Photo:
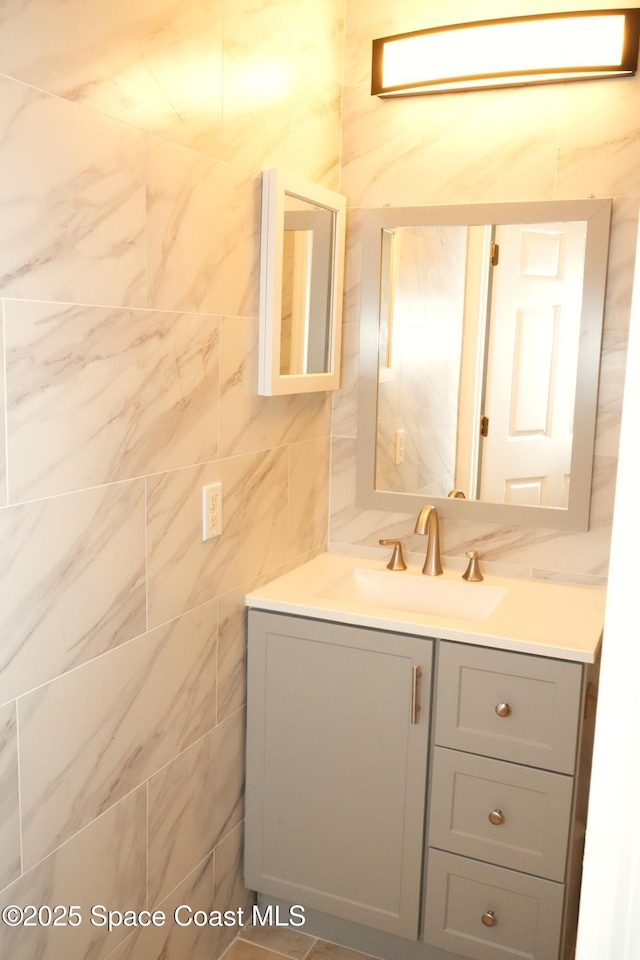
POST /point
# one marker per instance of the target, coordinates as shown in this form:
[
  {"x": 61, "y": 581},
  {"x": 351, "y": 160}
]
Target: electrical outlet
[
  {"x": 399, "y": 458},
  {"x": 211, "y": 511}
]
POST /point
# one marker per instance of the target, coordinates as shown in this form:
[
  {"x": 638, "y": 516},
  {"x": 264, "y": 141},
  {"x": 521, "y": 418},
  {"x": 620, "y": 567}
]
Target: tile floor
[{"x": 275, "y": 943}]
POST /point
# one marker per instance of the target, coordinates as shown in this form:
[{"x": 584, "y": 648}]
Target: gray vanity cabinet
[
  {"x": 342, "y": 775},
  {"x": 337, "y": 747}
]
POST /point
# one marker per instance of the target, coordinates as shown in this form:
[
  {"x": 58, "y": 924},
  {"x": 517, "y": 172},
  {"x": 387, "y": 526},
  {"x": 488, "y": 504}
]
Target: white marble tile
[
  {"x": 622, "y": 251},
  {"x": 183, "y": 570},
  {"x": 72, "y": 584},
  {"x": 96, "y": 395},
  {"x": 350, "y": 524},
  {"x": 194, "y": 802},
  {"x": 72, "y": 205},
  {"x": 10, "y": 856},
  {"x": 613, "y": 361},
  {"x": 232, "y": 652},
  {"x": 172, "y": 940},
  {"x": 308, "y": 496},
  {"x": 249, "y": 422},
  {"x": 344, "y": 421},
  {"x": 3, "y": 450},
  {"x": 229, "y": 892},
  {"x": 203, "y": 226},
  {"x": 283, "y": 71},
  {"x": 599, "y": 146},
  {"x": 104, "y": 864},
  {"x": 485, "y": 146},
  {"x": 90, "y": 737},
  {"x": 155, "y": 64}
]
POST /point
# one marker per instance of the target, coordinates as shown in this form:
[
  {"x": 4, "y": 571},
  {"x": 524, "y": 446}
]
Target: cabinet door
[{"x": 336, "y": 768}]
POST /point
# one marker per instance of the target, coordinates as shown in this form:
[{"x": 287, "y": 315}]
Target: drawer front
[
  {"x": 509, "y": 705},
  {"x": 500, "y": 812},
  {"x": 525, "y": 912}
]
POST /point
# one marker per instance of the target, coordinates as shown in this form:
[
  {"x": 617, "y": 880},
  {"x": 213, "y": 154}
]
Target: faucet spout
[{"x": 427, "y": 525}]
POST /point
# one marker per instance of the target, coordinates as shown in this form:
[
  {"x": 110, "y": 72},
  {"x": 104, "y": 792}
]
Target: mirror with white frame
[
  {"x": 301, "y": 278},
  {"x": 481, "y": 330}
]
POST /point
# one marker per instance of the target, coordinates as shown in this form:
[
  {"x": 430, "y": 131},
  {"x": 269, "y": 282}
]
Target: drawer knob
[
  {"x": 496, "y": 817},
  {"x": 489, "y": 918},
  {"x": 503, "y": 709}
]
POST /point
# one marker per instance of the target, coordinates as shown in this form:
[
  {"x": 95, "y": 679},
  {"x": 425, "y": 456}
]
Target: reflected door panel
[{"x": 532, "y": 359}]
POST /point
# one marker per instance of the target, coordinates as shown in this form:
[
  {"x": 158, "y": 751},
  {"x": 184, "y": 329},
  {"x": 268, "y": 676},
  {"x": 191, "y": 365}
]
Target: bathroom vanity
[{"x": 417, "y": 780}]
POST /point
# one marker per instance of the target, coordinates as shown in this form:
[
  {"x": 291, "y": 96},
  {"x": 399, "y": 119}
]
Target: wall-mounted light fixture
[{"x": 550, "y": 48}]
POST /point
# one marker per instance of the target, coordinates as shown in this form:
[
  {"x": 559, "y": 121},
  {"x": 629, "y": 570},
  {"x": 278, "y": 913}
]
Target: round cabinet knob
[
  {"x": 489, "y": 918},
  {"x": 496, "y": 817},
  {"x": 503, "y": 709}
]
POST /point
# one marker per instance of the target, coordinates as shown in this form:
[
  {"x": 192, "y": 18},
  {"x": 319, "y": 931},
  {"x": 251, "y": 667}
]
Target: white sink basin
[{"x": 415, "y": 593}]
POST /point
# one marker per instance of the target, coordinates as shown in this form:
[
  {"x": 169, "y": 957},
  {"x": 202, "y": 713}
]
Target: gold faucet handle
[
  {"x": 397, "y": 560},
  {"x": 472, "y": 573}
]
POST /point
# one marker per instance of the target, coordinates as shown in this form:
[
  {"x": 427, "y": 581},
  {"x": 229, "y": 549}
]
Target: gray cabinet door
[
  {"x": 336, "y": 769},
  {"x": 539, "y": 700}
]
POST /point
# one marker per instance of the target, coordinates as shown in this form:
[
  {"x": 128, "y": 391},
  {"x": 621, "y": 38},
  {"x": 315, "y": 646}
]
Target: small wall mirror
[
  {"x": 301, "y": 279},
  {"x": 481, "y": 330}
]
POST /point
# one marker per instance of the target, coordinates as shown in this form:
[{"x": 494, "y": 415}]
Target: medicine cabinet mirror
[
  {"x": 481, "y": 330},
  {"x": 301, "y": 280}
]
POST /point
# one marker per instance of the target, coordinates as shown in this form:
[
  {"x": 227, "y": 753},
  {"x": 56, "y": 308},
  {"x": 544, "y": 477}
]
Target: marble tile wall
[
  {"x": 556, "y": 142},
  {"x": 132, "y": 136}
]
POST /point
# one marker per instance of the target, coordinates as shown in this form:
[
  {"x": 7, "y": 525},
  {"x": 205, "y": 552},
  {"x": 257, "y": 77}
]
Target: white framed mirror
[
  {"x": 301, "y": 283},
  {"x": 481, "y": 330}
]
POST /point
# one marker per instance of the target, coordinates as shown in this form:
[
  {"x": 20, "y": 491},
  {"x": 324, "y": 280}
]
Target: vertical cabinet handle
[{"x": 415, "y": 693}]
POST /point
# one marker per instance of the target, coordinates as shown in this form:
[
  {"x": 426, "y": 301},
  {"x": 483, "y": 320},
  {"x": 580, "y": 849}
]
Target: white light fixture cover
[{"x": 505, "y": 53}]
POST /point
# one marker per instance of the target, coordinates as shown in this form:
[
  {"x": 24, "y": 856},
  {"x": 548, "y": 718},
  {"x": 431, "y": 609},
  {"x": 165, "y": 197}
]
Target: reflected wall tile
[
  {"x": 71, "y": 582},
  {"x": 308, "y": 495},
  {"x": 71, "y": 202},
  {"x": 599, "y": 146},
  {"x": 183, "y": 570},
  {"x": 194, "y": 802},
  {"x": 229, "y": 892},
  {"x": 88, "y": 738},
  {"x": 232, "y": 652},
  {"x": 249, "y": 422},
  {"x": 437, "y": 149},
  {"x": 203, "y": 233},
  {"x": 155, "y": 64},
  {"x": 104, "y": 864},
  {"x": 283, "y": 71},
  {"x": 96, "y": 395},
  {"x": 173, "y": 940},
  {"x": 10, "y": 858}
]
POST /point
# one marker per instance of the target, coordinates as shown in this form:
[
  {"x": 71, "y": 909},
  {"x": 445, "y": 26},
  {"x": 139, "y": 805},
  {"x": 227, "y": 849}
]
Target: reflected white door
[{"x": 534, "y": 329}]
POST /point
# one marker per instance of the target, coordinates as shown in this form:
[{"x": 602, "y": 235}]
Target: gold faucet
[{"x": 427, "y": 525}]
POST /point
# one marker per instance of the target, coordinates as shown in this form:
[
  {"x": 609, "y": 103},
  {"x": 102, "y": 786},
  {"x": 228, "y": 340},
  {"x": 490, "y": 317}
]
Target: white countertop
[{"x": 548, "y": 619}]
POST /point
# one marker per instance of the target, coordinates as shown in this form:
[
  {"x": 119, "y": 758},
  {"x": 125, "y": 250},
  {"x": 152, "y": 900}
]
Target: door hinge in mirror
[
  {"x": 495, "y": 254},
  {"x": 484, "y": 426}
]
